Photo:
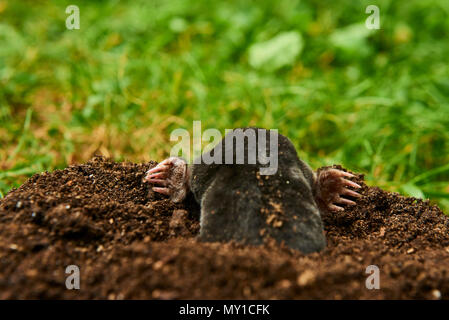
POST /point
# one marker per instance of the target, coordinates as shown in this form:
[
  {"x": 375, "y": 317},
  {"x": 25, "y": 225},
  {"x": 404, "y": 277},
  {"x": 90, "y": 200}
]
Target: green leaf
[
  {"x": 178, "y": 25},
  {"x": 17, "y": 172},
  {"x": 444, "y": 204},
  {"x": 351, "y": 38},
  {"x": 430, "y": 173},
  {"x": 277, "y": 52},
  {"x": 412, "y": 191}
]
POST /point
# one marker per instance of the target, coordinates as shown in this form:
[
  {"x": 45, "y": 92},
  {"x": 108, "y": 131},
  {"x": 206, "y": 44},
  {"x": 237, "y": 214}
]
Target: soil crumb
[{"x": 130, "y": 243}]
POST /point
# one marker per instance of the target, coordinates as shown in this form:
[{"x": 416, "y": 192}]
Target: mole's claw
[
  {"x": 155, "y": 176},
  {"x": 348, "y": 192},
  {"x": 339, "y": 173},
  {"x": 158, "y": 168},
  {"x": 165, "y": 191},
  {"x": 346, "y": 174},
  {"x": 350, "y": 183},
  {"x": 168, "y": 161},
  {"x": 333, "y": 207},
  {"x": 345, "y": 201}
]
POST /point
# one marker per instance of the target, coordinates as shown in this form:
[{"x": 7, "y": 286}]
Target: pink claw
[
  {"x": 155, "y": 176},
  {"x": 350, "y": 183},
  {"x": 347, "y": 174},
  {"x": 333, "y": 207},
  {"x": 345, "y": 201},
  {"x": 165, "y": 191},
  {"x": 158, "y": 168},
  {"x": 348, "y": 192}
]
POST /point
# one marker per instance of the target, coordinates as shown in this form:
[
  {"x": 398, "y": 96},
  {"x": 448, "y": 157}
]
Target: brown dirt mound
[{"x": 130, "y": 243}]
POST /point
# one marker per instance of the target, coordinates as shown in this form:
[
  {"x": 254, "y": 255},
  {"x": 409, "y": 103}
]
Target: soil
[{"x": 130, "y": 243}]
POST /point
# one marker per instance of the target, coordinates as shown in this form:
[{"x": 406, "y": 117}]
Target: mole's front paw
[
  {"x": 332, "y": 187},
  {"x": 171, "y": 176}
]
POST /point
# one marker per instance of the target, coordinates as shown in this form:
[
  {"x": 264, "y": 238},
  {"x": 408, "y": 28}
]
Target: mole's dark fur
[{"x": 237, "y": 203}]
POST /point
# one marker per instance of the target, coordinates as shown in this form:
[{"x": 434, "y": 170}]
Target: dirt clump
[{"x": 130, "y": 243}]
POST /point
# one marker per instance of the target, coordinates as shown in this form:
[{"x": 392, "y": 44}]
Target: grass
[{"x": 376, "y": 102}]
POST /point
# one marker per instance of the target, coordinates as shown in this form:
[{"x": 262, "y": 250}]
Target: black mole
[{"x": 245, "y": 197}]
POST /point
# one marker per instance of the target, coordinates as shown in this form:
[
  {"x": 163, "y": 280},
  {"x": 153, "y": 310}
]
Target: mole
[{"x": 238, "y": 202}]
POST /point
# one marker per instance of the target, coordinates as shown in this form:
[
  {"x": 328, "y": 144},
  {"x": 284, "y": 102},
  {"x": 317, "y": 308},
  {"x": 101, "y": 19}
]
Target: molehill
[{"x": 130, "y": 243}]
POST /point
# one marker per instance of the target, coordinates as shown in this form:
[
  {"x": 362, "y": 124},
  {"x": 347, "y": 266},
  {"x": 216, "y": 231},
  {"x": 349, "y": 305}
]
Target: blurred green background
[{"x": 375, "y": 101}]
